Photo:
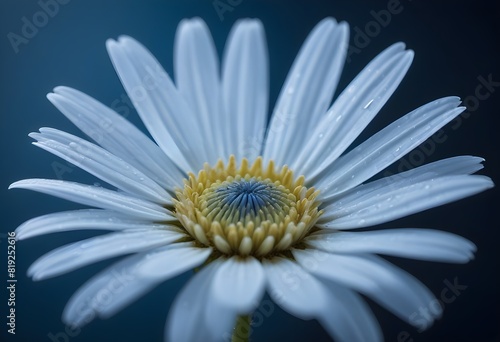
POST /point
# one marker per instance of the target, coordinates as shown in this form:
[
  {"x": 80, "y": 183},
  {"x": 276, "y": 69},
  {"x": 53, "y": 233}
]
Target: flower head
[{"x": 253, "y": 206}]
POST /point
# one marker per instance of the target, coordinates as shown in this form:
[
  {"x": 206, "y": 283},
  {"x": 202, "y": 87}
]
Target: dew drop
[{"x": 368, "y": 104}]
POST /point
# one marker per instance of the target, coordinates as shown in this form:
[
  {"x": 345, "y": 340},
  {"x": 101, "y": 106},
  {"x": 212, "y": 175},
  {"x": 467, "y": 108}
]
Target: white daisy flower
[{"x": 252, "y": 206}]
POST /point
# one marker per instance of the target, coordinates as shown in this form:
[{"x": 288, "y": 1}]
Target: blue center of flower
[
  {"x": 246, "y": 209},
  {"x": 246, "y": 198}
]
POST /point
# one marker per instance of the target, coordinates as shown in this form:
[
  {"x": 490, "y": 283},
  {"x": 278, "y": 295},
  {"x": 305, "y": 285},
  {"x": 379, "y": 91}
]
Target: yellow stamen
[{"x": 247, "y": 210}]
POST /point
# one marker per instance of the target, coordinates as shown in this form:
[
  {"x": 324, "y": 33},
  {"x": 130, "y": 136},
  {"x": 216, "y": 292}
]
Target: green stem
[{"x": 241, "y": 332}]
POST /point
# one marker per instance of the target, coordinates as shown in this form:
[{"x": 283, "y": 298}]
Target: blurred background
[{"x": 43, "y": 46}]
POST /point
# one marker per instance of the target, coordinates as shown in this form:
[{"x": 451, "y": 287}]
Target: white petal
[
  {"x": 348, "y": 317},
  {"x": 307, "y": 91},
  {"x": 82, "y": 219},
  {"x": 362, "y": 209},
  {"x": 414, "y": 243},
  {"x": 196, "y": 68},
  {"x": 239, "y": 284},
  {"x": 101, "y": 164},
  {"x": 461, "y": 165},
  {"x": 97, "y": 197},
  {"x": 119, "y": 285},
  {"x": 117, "y": 135},
  {"x": 391, "y": 287},
  {"x": 163, "y": 110},
  {"x": 387, "y": 146},
  {"x": 75, "y": 255},
  {"x": 293, "y": 289},
  {"x": 353, "y": 110},
  {"x": 187, "y": 319},
  {"x": 245, "y": 88},
  {"x": 339, "y": 310}
]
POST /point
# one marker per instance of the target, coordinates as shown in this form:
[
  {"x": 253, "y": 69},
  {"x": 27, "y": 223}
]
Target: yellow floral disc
[{"x": 247, "y": 210}]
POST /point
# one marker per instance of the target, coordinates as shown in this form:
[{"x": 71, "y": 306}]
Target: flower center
[
  {"x": 246, "y": 200},
  {"x": 247, "y": 210}
]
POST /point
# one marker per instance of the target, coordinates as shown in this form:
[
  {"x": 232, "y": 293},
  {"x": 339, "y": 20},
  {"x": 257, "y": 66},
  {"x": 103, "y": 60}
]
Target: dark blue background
[{"x": 455, "y": 43}]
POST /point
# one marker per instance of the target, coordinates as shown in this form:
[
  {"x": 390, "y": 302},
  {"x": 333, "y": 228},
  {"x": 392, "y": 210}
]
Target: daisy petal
[
  {"x": 101, "y": 164},
  {"x": 75, "y": 255},
  {"x": 461, "y": 165},
  {"x": 117, "y": 135},
  {"x": 196, "y": 68},
  {"x": 245, "y": 87},
  {"x": 339, "y": 310},
  {"x": 391, "y": 287},
  {"x": 239, "y": 284},
  {"x": 308, "y": 90},
  {"x": 353, "y": 110},
  {"x": 97, "y": 197},
  {"x": 348, "y": 317},
  {"x": 82, "y": 219},
  {"x": 387, "y": 203},
  {"x": 414, "y": 243},
  {"x": 187, "y": 317},
  {"x": 119, "y": 285},
  {"x": 387, "y": 146},
  {"x": 162, "y": 109},
  {"x": 293, "y": 289}
]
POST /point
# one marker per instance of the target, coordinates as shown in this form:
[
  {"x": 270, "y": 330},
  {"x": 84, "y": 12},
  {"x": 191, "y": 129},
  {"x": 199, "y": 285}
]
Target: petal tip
[
  {"x": 111, "y": 45},
  {"x": 61, "y": 89},
  {"x": 51, "y": 96},
  {"x": 14, "y": 185}
]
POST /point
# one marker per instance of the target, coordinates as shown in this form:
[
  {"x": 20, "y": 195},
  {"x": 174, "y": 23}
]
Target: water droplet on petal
[{"x": 368, "y": 104}]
